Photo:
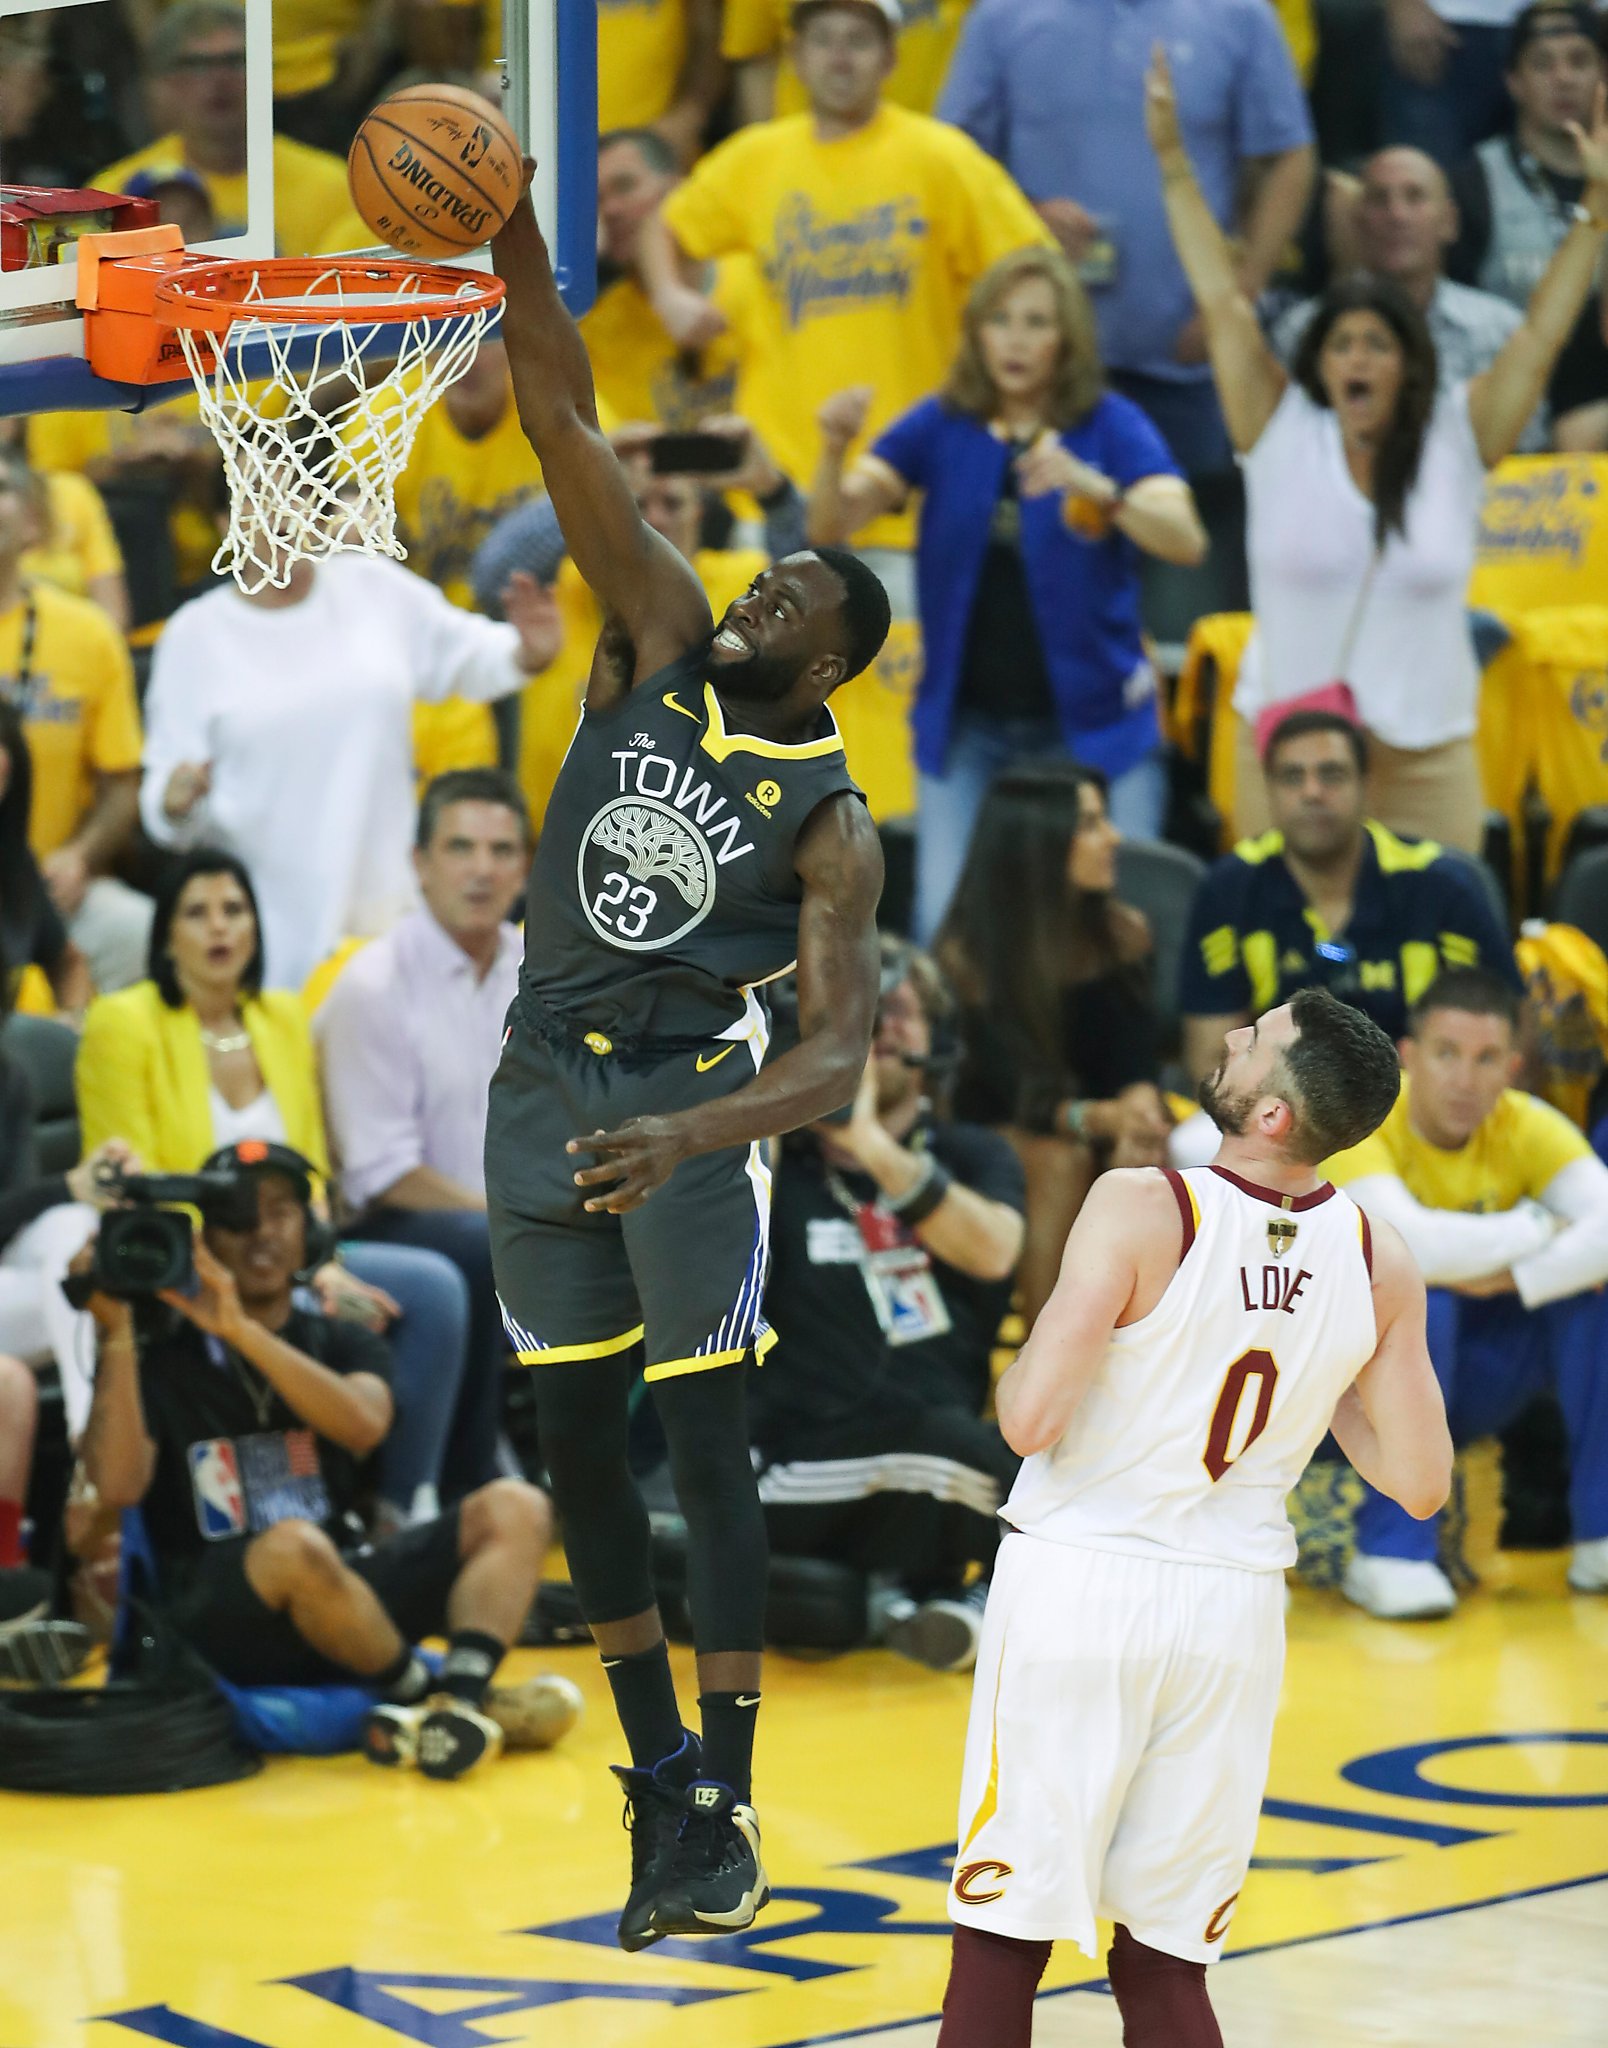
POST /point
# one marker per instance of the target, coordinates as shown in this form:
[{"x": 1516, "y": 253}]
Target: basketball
[{"x": 434, "y": 170}]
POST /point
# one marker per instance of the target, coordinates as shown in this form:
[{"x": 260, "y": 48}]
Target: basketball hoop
[{"x": 312, "y": 374}]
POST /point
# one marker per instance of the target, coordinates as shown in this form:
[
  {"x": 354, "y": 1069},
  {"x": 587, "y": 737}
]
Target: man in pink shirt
[{"x": 409, "y": 1037}]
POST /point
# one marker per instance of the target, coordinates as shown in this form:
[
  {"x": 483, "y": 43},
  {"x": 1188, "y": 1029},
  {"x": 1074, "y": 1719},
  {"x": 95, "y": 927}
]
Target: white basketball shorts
[{"x": 1121, "y": 1720}]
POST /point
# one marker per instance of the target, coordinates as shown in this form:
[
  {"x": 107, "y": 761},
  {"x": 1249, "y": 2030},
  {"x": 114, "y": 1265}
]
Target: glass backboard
[{"x": 232, "y": 117}]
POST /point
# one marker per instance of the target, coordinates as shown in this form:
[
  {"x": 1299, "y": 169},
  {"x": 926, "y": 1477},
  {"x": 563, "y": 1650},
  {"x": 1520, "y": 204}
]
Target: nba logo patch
[
  {"x": 220, "y": 1499},
  {"x": 1281, "y": 1234}
]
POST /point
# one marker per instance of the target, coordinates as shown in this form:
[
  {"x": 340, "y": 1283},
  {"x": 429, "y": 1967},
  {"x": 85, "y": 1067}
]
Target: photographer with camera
[
  {"x": 239, "y": 1423},
  {"x": 895, "y": 1233}
]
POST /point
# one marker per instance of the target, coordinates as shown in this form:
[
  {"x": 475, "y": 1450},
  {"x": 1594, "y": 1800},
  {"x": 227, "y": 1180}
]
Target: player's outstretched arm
[
  {"x": 1042, "y": 1387},
  {"x": 638, "y": 578},
  {"x": 1391, "y": 1420},
  {"x": 839, "y": 861}
]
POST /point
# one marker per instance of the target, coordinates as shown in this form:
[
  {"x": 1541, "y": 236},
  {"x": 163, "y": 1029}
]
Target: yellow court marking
[{"x": 1418, "y": 1771}]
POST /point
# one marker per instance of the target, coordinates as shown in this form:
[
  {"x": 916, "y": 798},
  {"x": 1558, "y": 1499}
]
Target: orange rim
[{"x": 311, "y": 291}]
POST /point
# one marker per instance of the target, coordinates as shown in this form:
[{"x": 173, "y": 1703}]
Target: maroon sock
[
  {"x": 1162, "y": 1998},
  {"x": 989, "y": 1999},
  {"x": 11, "y": 1550}
]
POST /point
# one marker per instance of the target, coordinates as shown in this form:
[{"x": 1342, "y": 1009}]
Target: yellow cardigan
[{"x": 142, "y": 1075}]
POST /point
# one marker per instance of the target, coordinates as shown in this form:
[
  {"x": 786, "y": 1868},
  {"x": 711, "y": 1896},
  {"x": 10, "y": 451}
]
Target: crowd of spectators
[{"x": 1054, "y": 312}]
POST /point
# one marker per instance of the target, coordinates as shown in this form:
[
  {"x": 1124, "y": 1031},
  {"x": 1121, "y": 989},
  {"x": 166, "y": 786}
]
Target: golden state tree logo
[{"x": 659, "y": 883}]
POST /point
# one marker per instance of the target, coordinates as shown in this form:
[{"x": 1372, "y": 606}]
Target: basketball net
[{"x": 313, "y": 447}]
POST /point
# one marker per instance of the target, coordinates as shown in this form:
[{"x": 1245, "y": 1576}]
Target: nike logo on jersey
[
  {"x": 673, "y": 703},
  {"x": 704, "y": 1062}
]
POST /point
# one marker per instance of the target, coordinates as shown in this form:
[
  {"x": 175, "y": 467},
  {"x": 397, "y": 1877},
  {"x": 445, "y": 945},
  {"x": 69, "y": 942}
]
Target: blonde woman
[{"x": 1040, "y": 493}]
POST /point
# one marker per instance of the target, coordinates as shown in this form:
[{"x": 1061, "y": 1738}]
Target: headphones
[
  {"x": 902, "y": 961},
  {"x": 262, "y": 1155}
]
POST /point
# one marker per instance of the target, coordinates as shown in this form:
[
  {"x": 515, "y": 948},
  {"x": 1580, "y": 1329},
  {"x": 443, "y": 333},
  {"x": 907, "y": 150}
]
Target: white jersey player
[{"x": 1206, "y": 1331}]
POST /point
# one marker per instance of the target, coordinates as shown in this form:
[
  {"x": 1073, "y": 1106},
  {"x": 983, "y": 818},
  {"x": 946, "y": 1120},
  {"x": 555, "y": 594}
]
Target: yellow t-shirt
[
  {"x": 77, "y": 704},
  {"x": 79, "y": 543},
  {"x": 1299, "y": 22},
  {"x": 313, "y": 213},
  {"x": 641, "y": 47},
  {"x": 454, "y": 491},
  {"x": 550, "y": 704},
  {"x": 761, "y": 28},
  {"x": 452, "y": 734},
  {"x": 872, "y": 711},
  {"x": 1516, "y": 1153},
  {"x": 867, "y": 247},
  {"x": 77, "y": 441},
  {"x": 639, "y": 372},
  {"x": 449, "y": 497},
  {"x": 1544, "y": 720},
  {"x": 1543, "y": 534},
  {"x": 307, "y": 39}
]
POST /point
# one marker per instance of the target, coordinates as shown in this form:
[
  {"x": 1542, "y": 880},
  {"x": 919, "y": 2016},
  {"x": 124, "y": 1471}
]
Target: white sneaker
[
  {"x": 1588, "y": 1568},
  {"x": 1398, "y": 1588},
  {"x": 943, "y": 1634}
]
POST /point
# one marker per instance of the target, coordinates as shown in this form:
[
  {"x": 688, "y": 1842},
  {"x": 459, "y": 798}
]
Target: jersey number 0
[{"x": 1257, "y": 1365}]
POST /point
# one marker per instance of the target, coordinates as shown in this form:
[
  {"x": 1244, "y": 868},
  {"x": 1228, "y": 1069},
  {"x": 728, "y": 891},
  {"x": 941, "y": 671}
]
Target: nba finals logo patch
[{"x": 1280, "y": 1235}]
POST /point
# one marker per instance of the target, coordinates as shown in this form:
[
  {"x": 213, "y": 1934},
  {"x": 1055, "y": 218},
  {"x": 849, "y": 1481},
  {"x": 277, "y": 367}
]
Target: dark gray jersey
[{"x": 664, "y": 883}]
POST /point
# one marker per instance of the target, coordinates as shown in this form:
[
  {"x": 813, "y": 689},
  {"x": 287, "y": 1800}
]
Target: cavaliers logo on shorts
[
  {"x": 1217, "y": 1925},
  {"x": 980, "y": 1884}
]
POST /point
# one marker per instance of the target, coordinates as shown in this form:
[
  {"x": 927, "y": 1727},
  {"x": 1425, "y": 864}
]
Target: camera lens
[
  {"x": 139, "y": 1252},
  {"x": 142, "y": 1255}
]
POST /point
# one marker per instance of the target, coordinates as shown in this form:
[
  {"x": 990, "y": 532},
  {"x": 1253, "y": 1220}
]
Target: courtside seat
[
  {"x": 1161, "y": 880},
  {"x": 1480, "y": 874},
  {"x": 46, "y": 1049},
  {"x": 1582, "y": 895}
]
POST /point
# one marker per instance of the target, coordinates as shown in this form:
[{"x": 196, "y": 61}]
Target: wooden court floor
[{"x": 1432, "y": 1868}]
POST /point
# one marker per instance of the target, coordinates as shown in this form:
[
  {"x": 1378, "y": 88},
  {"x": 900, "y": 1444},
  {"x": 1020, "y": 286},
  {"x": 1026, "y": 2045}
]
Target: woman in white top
[{"x": 1364, "y": 491}]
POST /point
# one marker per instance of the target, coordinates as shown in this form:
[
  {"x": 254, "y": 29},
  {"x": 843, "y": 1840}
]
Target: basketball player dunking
[
  {"x": 702, "y": 834},
  {"x": 1207, "y": 1329}
]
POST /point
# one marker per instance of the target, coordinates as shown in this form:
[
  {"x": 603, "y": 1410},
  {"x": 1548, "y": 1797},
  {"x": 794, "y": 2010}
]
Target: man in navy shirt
[
  {"x": 1328, "y": 899},
  {"x": 1055, "y": 90}
]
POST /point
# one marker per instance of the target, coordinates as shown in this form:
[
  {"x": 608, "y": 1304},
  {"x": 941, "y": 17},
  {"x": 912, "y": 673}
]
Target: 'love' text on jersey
[{"x": 1279, "y": 1288}]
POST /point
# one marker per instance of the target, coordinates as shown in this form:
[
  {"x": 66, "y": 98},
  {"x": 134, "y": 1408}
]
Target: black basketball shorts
[
  {"x": 683, "y": 1274},
  {"x": 218, "y": 1613}
]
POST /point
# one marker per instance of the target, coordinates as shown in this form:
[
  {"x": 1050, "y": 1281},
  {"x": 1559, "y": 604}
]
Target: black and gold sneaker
[
  {"x": 454, "y": 1736},
  {"x": 442, "y": 1736},
  {"x": 714, "y": 1882},
  {"x": 391, "y": 1733},
  {"x": 654, "y": 1806}
]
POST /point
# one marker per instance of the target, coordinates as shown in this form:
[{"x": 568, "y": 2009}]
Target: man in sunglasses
[{"x": 1328, "y": 899}]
